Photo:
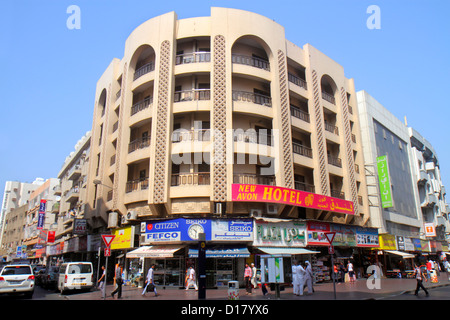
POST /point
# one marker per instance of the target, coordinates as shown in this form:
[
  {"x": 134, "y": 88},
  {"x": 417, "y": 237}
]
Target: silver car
[{"x": 17, "y": 279}]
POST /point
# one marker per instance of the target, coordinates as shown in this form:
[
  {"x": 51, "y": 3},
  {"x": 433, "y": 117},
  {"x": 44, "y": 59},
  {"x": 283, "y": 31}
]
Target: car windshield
[
  {"x": 7, "y": 271},
  {"x": 80, "y": 268}
]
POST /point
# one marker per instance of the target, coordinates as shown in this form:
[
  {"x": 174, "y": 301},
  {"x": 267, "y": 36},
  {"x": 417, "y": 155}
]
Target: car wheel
[{"x": 29, "y": 295}]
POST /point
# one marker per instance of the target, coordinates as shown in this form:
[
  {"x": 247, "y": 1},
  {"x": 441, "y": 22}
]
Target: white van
[{"x": 75, "y": 276}]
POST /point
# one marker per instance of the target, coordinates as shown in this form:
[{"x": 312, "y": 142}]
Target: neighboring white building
[
  {"x": 384, "y": 134},
  {"x": 16, "y": 194},
  {"x": 431, "y": 189}
]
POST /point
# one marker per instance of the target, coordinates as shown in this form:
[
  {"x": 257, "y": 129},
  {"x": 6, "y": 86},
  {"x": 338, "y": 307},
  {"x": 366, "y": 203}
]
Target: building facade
[
  {"x": 16, "y": 195},
  {"x": 431, "y": 190},
  {"x": 197, "y": 105},
  {"x": 71, "y": 225},
  {"x": 202, "y": 121},
  {"x": 39, "y": 219},
  {"x": 385, "y": 135}
]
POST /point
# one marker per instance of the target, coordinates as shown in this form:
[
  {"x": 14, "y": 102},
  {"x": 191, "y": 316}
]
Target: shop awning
[
  {"x": 286, "y": 251},
  {"x": 154, "y": 252},
  {"x": 404, "y": 255},
  {"x": 238, "y": 252}
]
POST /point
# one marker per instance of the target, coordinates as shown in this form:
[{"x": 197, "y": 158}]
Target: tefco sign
[{"x": 181, "y": 229}]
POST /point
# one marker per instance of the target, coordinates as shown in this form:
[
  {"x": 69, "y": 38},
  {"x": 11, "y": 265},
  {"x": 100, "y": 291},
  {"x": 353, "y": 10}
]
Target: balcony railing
[
  {"x": 301, "y": 150},
  {"x": 252, "y": 97},
  {"x": 195, "y": 57},
  {"x": 254, "y": 137},
  {"x": 250, "y": 61},
  {"x": 335, "y": 161},
  {"x": 249, "y": 178},
  {"x": 304, "y": 187},
  {"x": 141, "y": 105},
  {"x": 140, "y": 143},
  {"x": 300, "y": 114},
  {"x": 149, "y": 67},
  {"x": 198, "y": 178},
  {"x": 328, "y": 97},
  {"x": 191, "y": 135},
  {"x": 192, "y": 95},
  {"x": 136, "y": 185},
  {"x": 331, "y": 128},
  {"x": 297, "y": 81}
]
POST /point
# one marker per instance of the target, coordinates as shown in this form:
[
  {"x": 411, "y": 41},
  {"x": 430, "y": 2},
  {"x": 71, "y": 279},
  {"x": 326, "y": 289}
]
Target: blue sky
[{"x": 49, "y": 73}]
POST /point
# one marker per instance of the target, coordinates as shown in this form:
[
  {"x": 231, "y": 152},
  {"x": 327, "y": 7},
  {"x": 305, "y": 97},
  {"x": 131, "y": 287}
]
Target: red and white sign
[
  {"x": 107, "y": 252},
  {"x": 331, "y": 250},
  {"x": 108, "y": 239},
  {"x": 330, "y": 236}
]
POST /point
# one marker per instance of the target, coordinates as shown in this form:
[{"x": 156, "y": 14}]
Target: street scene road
[{"x": 362, "y": 289}]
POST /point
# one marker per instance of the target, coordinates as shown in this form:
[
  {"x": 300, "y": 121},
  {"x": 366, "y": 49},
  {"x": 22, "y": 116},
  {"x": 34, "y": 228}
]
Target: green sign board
[{"x": 385, "y": 182}]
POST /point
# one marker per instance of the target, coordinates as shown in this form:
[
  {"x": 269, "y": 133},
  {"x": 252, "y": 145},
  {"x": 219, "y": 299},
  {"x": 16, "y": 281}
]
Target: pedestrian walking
[
  {"x": 419, "y": 277},
  {"x": 247, "y": 279},
  {"x": 191, "y": 280},
  {"x": 351, "y": 272},
  {"x": 101, "y": 281},
  {"x": 119, "y": 282},
  {"x": 301, "y": 279},
  {"x": 295, "y": 286},
  {"x": 429, "y": 266},
  {"x": 150, "y": 282},
  {"x": 254, "y": 283},
  {"x": 309, "y": 277}
]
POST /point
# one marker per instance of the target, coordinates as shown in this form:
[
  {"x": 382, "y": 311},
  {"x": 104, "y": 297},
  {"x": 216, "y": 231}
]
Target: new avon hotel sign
[{"x": 273, "y": 194}]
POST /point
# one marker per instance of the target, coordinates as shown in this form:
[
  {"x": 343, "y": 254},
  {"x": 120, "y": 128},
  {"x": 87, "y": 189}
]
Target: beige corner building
[{"x": 197, "y": 105}]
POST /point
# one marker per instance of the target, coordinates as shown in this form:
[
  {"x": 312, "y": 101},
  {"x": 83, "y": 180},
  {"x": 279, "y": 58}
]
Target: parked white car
[{"x": 17, "y": 278}]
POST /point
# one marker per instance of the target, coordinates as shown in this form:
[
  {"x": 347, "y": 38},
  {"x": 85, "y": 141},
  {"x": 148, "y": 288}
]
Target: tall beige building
[{"x": 197, "y": 105}]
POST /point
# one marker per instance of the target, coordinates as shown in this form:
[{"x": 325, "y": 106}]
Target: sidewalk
[{"x": 358, "y": 290}]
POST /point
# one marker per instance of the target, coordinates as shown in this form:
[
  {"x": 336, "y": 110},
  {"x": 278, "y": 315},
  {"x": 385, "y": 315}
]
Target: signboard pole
[
  {"x": 201, "y": 267},
  {"x": 334, "y": 276},
  {"x": 330, "y": 238}
]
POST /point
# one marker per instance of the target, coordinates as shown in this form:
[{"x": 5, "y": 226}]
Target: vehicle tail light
[
  {"x": 31, "y": 278},
  {"x": 2, "y": 279},
  {"x": 65, "y": 279}
]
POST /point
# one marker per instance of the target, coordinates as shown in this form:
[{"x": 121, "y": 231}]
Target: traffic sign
[
  {"x": 330, "y": 236},
  {"x": 107, "y": 239},
  {"x": 331, "y": 250},
  {"x": 108, "y": 252}
]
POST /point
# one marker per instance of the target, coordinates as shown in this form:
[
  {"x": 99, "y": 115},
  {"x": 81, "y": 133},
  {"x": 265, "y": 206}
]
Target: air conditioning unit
[
  {"x": 113, "y": 219},
  {"x": 131, "y": 215},
  {"x": 255, "y": 213},
  {"x": 271, "y": 209},
  {"x": 124, "y": 219}
]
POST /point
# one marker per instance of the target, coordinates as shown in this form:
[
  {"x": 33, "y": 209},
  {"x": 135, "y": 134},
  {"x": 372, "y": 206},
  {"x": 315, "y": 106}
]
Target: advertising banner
[
  {"x": 387, "y": 242},
  {"x": 280, "y": 234},
  {"x": 273, "y": 194},
  {"x": 80, "y": 226},
  {"x": 41, "y": 214},
  {"x": 417, "y": 244},
  {"x": 367, "y": 237},
  {"x": 409, "y": 245},
  {"x": 385, "y": 182},
  {"x": 345, "y": 235},
  {"x": 430, "y": 230},
  {"x": 316, "y": 233},
  {"x": 124, "y": 238}
]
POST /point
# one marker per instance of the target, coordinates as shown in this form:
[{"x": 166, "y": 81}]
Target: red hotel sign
[{"x": 273, "y": 194}]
